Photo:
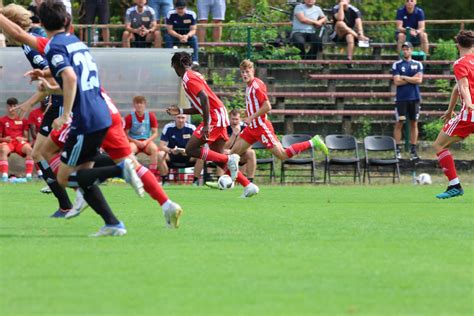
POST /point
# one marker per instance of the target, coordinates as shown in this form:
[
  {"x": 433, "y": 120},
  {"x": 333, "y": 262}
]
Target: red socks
[
  {"x": 3, "y": 166},
  {"x": 151, "y": 185},
  {"x": 241, "y": 179},
  {"x": 209, "y": 155},
  {"x": 297, "y": 148},
  {"x": 446, "y": 162},
  {"x": 29, "y": 166}
]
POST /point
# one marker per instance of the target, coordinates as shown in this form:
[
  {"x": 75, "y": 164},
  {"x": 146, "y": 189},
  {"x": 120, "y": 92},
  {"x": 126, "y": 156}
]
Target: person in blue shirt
[
  {"x": 411, "y": 26},
  {"x": 407, "y": 76},
  {"x": 174, "y": 138},
  {"x": 181, "y": 29}
]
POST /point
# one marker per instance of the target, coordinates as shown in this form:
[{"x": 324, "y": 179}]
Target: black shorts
[
  {"x": 47, "y": 122},
  {"x": 404, "y": 109},
  {"x": 180, "y": 161},
  {"x": 81, "y": 148},
  {"x": 415, "y": 40},
  {"x": 99, "y": 8}
]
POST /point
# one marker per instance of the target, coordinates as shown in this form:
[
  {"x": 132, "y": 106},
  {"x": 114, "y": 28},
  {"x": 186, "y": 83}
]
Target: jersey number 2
[{"x": 88, "y": 81}]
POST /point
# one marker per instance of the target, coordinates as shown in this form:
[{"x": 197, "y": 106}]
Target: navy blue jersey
[
  {"x": 409, "y": 91},
  {"x": 230, "y": 131},
  {"x": 181, "y": 24},
  {"x": 90, "y": 111},
  {"x": 176, "y": 137},
  {"x": 410, "y": 20}
]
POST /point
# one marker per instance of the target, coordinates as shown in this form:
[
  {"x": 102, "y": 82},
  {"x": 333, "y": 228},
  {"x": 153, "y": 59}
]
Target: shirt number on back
[{"x": 88, "y": 81}]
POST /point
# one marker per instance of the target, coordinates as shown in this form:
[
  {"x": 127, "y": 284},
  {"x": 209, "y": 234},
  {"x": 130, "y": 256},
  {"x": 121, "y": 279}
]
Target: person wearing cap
[
  {"x": 407, "y": 77},
  {"x": 181, "y": 27},
  {"x": 411, "y": 26}
]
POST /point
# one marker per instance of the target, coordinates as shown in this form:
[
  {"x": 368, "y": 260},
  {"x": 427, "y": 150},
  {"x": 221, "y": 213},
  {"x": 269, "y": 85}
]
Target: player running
[
  {"x": 259, "y": 128},
  {"x": 462, "y": 125},
  {"x": 213, "y": 129}
]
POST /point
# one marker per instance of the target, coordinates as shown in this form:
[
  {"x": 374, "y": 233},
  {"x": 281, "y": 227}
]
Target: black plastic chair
[
  {"x": 348, "y": 144},
  {"x": 265, "y": 161},
  {"x": 289, "y": 140},
  {"x": 381, "y": 144}
]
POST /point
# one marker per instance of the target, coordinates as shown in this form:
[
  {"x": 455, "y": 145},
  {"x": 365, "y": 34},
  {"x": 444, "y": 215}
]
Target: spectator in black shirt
[{"x": 348, "y": 26}]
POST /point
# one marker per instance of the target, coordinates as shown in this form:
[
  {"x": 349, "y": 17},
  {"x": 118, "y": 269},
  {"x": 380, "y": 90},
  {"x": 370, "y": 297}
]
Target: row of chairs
[{"x": 380, "y": 159}]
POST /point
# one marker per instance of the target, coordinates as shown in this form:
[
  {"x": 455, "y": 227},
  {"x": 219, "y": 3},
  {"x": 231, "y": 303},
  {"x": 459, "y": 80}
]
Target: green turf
[{"x": 328, "y": 250}]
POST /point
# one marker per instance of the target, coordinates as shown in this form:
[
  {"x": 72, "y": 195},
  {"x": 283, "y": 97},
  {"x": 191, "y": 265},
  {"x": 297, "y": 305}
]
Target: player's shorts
[
  {"x": 263, "y": 133},
  {"x": 47, "y": 122},
  {"x": 59, "y": 137},
  {"x": 81, "y": 148},
  {"x": 415, "y": 40},
  {"x": 99, "y": 8},
  {"x": 116, "y": 142},
  {"x": 215, "y": 7},
  {"x": 15, "y": 147},
  {"x": 457, "y": 127},
  {"x": 410, "y": 109},
  {"x": 215, "y": 133}
]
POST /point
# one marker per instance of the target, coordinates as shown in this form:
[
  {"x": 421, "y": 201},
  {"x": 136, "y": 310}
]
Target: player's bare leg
[
  {"x": 4, "y": 151},
  {"x": 29, "y": 164}
]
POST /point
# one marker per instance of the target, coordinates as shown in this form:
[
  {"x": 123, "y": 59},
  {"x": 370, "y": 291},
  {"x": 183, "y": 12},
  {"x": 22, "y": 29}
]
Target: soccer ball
[
  {"x": 424, "y": 178},
  {"x": 225, "y": 182}
]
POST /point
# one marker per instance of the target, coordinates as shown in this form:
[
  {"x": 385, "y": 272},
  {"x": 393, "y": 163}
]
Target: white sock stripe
[
  {"x": 3, "y": 162},
  {"x": 204, "y": 154},
  {"x": 444, "y": 155},
  {"x": 141, "y": 171}
]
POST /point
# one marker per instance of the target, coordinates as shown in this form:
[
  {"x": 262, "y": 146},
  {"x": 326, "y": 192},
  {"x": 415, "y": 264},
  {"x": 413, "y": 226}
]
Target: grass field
[{"x": 294, "y": 250}]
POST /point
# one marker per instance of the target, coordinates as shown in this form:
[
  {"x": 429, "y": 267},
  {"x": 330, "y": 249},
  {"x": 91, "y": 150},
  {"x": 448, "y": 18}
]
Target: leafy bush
[
  {"x": 443, "y": 85},
  {"x": 365, "y": 127},
  {"x": 431, "y": 129},
  {"x": 446, "y": 50}
]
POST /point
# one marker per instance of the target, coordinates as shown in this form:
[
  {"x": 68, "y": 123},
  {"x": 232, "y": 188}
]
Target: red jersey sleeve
[
  {"x": 153, "y": 120},
  {"x": 128, "y": 121},
  {"x": 41, "y": 42},
  {"x": 461, "y": 70},
  {"x": 261, "y": 93}
]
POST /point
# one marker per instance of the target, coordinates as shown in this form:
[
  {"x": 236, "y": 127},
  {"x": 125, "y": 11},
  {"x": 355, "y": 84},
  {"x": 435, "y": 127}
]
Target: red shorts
[
  {"x": 116, "y": 142},
  {"x": 263, "y": 133},
  {"x": 15, "y": 147},
  {"x": 214, "y": 134},
  {"x": 59, "y": 136},
  {"x": 456, "y": 127}
]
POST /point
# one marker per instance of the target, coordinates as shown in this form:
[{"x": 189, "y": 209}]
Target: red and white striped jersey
[
  {"x": 193, "y": 84},
  {"x": 464, "y": 67},
  {"x": 255, "y": 95}
]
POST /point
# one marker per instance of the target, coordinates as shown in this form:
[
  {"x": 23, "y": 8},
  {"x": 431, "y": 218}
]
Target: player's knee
[{"x": 401, "y": 37}]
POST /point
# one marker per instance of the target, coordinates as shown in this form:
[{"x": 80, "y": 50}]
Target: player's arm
[
  {"x": 421, "y": 27},
  {"x": 416, "y": 79},
  {"x": 264, "y": 109},
  {"x": 69, "y": 94},
  {"x": 339, "y": 16},
  {"x": 448, "y": 114},
  {"x": 192, "y": 31},
  {"x": 163, "y": 146},
  {"x": 17, "y": 33},
  {"x": 169, "y": 29},
  {"x": 26, "y": 106},
  {"x": 463, "y": 85},
  {"x": 400, "y": 28}
]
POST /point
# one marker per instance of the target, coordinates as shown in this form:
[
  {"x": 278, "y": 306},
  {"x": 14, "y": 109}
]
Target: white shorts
[{"x": 215, "y": 7}]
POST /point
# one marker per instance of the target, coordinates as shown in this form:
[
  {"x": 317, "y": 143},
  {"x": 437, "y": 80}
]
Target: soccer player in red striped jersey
[
  {"x": 462, "y": 125},
  {"x": 213, "y": 129},
  {"x": 259, "y": 128}
]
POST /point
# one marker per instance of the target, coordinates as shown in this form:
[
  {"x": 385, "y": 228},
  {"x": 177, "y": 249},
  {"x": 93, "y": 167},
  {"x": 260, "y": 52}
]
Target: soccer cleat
[
  {"x": 28, "y": 177},
  {"x": 60, "y": 213},
  {"x": 250, "y": 191},
  {"x": 172, "y": 214},
  {"x": 130, "y": 175},
  {"x": 233, "y": 165},
  {"x": 212, "y": 184},
  {"x": 450, "y": 193},
  {"x": 414, "y": 156},
  {"x": 78, "y": 207},
  {"x": 46, "y": 190},
  {"x": 111, "y": 230},
  {"x": 399, "y": 155},
  {"x": 5, "y": 177},
  {"x": 318, "y": 143}
]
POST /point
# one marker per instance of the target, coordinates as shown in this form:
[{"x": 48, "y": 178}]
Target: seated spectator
[
  {"x": 411, "y": 26},
  {"x": 140, "y": 26},
  {"x": 34, "y": 120},
  {"x": 217, "y": 9},
  {"x": 99, "y": 9},
  {"x": 348, "y": 27},
  {"x": 14, "y": 139},
  {"x": 181, "y": 26},
  {"x": 141, "y": 128},
  {"x": 307, "y": 22},
  {"x": 161, "y": 7},
  {"x": 174, "y": 138},
  {"x": 248, "y": 161}
]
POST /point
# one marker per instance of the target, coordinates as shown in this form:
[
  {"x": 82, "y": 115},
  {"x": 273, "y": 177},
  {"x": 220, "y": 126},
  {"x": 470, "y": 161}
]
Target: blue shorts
[
  {"x": 215, "y": 7},
  {"x": 161, "y": 8}
]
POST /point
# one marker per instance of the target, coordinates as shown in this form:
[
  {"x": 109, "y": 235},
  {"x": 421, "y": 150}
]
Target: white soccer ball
[
  {"x": 225, "y": 182},
  {"x": 424, "y": 178}
]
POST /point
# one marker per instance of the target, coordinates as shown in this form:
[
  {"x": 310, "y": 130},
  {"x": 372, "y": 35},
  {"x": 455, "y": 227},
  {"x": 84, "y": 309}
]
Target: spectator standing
[
  {"x": 99, "y": 9},
  {"x": 161, "y": 7},
  {"x": 407, "y": 76},
  {"x": 411, "y": 26},
  {"x": 141, "y": 127},
  {"x": 217, "y": 9},
  {"x": 348, "y": 27},
  {"x": 308, "y": 19},
  {"x": 140, "y": 26},
  {"x": 181, "y": 27},
  {"x": 174, "y": 138}
]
